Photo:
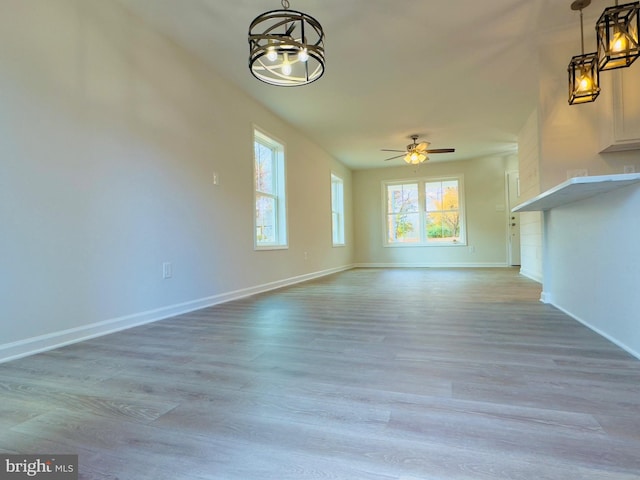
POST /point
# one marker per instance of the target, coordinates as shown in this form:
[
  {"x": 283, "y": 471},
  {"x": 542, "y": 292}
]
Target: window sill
[
  {"x": 429, "y": 245},
  {"x": 262, "y": 248}
]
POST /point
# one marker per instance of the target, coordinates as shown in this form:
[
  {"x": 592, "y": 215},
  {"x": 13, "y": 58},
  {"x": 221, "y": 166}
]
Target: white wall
[
  {"x": 484, "y": 192},
  {"x": 530, "y": 222},
  {"x": 592, "y": 266},
  {"x": 109, "y": 136},
  {"x": 590, "y": 261}
]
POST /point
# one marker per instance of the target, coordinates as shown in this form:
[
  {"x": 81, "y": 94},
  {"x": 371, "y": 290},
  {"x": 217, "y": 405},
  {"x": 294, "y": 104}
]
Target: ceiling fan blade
[
  {"x": 387, "y": 150},
  {"x": 391, "y": 158},
  {"x": 441, "y": 150}
]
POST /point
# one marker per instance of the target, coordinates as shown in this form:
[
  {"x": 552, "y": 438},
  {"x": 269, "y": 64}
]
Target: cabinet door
[
  {"x": 626, "y": 94},
  {"x": 621, "y": 126}
]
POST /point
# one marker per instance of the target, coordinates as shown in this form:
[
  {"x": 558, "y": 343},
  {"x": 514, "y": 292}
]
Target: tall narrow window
[
  {"x": 427, "y": 211},
  {"x": 269, "y": 181},
  {"x": 337, "y": 210}
]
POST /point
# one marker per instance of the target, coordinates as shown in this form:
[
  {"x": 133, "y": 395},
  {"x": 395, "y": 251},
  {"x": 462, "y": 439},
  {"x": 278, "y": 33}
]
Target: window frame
[
  {"x": 337, "y": 237},
  {"x": 279, "y": 193},
  {"x": 423, "y": 240}
]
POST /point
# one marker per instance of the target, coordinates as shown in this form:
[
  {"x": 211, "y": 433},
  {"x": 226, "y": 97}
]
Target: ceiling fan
[{"x": 417, "y": 152}]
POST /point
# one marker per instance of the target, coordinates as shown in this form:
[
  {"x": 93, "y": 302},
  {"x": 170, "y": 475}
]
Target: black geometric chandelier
[
  {"x": 584, "y": 78},
  {"x": 286, "y": 47},
  {"x": 617, "y": 30}
]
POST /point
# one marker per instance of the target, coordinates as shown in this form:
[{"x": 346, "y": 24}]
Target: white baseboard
[
  {"x": 545, "y": 297},
  {"x": 536, "y": 277},
  {"x": 431, "y": 265},
  {"x": 42, "y": 343},
  {"x": 613, "y": 340}
]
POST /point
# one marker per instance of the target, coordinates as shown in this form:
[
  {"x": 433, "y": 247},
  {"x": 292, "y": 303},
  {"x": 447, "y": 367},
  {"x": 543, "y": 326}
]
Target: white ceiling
[{"x": 462, "y": 73}]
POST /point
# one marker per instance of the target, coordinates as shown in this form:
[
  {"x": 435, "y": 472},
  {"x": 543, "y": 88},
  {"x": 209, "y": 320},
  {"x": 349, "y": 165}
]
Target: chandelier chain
[{"x": 285, "y": 4}]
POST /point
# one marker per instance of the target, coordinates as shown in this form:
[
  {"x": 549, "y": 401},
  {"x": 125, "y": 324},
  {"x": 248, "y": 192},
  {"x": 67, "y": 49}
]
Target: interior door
[{"x": 513, "y": 186}]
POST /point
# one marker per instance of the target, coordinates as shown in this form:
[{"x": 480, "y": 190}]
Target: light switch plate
[{"x": 167, "y": 270}]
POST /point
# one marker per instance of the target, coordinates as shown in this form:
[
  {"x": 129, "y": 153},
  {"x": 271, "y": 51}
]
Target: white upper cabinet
[{"x": 620, "y": 109}]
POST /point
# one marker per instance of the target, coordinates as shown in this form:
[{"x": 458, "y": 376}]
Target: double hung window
[
  {"x": 270, "y": 194},
  {"x": 426, "y": 211},
  {"x": 337, "y": 210}
]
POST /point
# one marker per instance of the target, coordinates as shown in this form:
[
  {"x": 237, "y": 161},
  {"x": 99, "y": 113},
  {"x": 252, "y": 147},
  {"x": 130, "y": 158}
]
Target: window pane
[
  {"x": 450, "y": 195},
  {"x": 403, "y": 228},
  {"x": 337, "y": 209},
  {"x": 442, "y": 195},
  {"x": 264, "y": 168},
  {"x": 335, "y": 226},
  {"x": 444, "y": 226},
  {"x": 402, "y": 198},
  {"x": 265, "y": 220},
  {"x": 433, "y": 196}
]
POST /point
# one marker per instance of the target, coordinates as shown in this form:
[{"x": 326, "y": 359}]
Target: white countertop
[{"x": 577, "y": 188}]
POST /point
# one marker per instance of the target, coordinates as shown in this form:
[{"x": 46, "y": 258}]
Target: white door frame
[{"x": 510, "y": 256}]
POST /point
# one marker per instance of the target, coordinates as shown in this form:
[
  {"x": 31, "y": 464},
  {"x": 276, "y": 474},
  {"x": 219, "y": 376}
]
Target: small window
[
  {"x": 337, "y": 210},
  {"x": 270, "y": 200},
  {"x": 424, "y": 212}
]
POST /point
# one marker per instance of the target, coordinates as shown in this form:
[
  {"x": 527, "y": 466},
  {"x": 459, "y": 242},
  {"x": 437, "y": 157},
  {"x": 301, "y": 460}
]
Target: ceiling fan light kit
[
  {"x": 415, "y": 158},
  {"x": 416, "y": 153},
  {"x": 617, "y": 32},
  {"x": 286, "y": 48}
]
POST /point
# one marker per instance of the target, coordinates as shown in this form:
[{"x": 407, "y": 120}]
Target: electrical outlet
[
  {"x": 215, "y": 178},
  {"x": 306, "y": 256},
  {"x": 629, "y": 169},
  {"x": 167, "y": 270}
]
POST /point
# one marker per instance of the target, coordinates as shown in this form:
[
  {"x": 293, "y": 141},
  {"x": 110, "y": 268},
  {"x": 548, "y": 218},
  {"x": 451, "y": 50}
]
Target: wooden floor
[{"x": 370, "y": 374}]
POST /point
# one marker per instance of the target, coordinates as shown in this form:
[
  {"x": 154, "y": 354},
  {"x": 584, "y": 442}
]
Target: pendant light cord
[{"x": 581, "y": 32}]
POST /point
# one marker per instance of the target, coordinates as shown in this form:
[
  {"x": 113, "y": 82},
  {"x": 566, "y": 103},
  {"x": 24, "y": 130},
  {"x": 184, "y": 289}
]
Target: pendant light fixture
[
  {"x": 584, "y": 78},
  {"x": 617, "y": 31},
  {"x": 286, "y": 47}
]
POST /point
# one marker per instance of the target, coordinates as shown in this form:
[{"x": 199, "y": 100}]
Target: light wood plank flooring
[{"x": 412, "y": 374}]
